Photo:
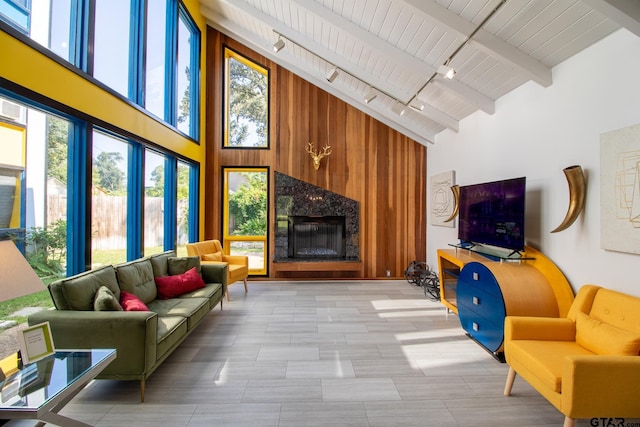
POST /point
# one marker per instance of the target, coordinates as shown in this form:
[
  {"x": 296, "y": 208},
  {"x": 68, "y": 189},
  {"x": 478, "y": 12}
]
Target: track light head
[
  {"x": 279, "y": 45},
  {"x": 446, "y": 71},
  {"x": 332, "y": 74},
  {"x": 399, "y": 108},
  {"x": 370, "y": 96}
]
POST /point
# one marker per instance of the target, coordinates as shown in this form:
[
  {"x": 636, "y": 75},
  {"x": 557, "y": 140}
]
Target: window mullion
[
  {"x": 79, "y": 198},
  {"x": 170, "y": 203},
  {"x": 171, "y": 70},
  {"x": 135, "y": 201},
  {"x": 136, "y": 51},
  {"x": 194, "y": 197}
]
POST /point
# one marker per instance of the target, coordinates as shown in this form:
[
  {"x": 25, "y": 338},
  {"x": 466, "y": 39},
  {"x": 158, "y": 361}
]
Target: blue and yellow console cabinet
[{"x": 488, "y": 289}]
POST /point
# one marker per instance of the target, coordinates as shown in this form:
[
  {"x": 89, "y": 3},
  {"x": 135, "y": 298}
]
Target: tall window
[
  {"x": 111, "y": 44},
  {"x": 184, "y": 227},
  {"x": 187, "y": 77},
  {"x": 246, "y": 102},
  {"x": 154, "y": 202},
  {"x": 109, "y": 199},
  {"x": 155, "y": 76},
  {"x": 245, "y": 215},
  {"x": 33, "y": 185}
]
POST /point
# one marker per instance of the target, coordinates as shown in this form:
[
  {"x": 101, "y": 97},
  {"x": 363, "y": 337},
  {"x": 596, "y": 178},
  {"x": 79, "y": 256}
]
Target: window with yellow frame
[
  {"x": 246, "y": 112},
  {"x": 246, "y": 201}
]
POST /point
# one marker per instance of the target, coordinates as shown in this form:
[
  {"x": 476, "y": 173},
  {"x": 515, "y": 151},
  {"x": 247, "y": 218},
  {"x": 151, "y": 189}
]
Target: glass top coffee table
[{"x": 41, "y": 389}]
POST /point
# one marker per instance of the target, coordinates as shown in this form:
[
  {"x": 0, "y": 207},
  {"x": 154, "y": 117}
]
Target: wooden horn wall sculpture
[
  {"x": 455, "y": 189},
  {"x": 577, "y": 192}
]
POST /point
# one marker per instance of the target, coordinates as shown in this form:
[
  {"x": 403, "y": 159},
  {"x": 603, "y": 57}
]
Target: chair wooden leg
[
  {"x": 511, "y": 376},
  {"x": 142, "y": 383},
  {"x": 569, "y": 422},
  {"x": 245, "y": 286},
  {"x": 228, "y": 297}
]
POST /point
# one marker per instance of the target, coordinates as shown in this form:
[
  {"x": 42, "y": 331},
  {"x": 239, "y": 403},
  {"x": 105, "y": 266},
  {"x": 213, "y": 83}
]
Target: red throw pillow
[
  {"x": 173, "y": 286},
  {"x": 130, "y": 302}
]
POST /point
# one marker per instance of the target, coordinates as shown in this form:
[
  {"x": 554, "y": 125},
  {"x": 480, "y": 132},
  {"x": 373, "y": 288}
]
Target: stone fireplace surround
[{"x": 294, "y": 197}]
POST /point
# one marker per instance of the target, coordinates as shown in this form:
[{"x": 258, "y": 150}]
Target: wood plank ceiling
[{"x": 395, "y": 48}]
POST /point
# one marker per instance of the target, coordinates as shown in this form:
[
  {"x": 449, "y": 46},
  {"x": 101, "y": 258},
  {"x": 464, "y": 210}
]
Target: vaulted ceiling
[{"x": 394, "y": 48}]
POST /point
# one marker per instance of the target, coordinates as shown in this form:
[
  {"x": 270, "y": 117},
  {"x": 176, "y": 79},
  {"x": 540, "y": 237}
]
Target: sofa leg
[
  {"x": 142, "y": 391},
  {"x": 569, "y": 422},
  {"x": 511, "y": 376}
]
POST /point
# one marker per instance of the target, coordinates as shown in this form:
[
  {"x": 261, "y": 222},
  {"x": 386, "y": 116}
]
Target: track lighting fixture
[
  {"x": 332, "y": 74},
  {"x": 446, "y": 71},
  {"x": 370, "y": 96},
  {"x": 279, "y": 45},
  {"x": 399, "y": 108}
]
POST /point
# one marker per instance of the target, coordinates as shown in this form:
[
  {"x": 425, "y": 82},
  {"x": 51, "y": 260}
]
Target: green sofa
[{"x": 143, "y": 339}]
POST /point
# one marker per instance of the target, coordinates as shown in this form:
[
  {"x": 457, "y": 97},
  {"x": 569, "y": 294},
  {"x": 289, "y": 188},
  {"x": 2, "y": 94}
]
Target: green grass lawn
[{"x": 39, "y": 299}]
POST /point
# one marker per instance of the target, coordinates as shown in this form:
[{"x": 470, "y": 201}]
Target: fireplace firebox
[{"x": 316, "y": 237}]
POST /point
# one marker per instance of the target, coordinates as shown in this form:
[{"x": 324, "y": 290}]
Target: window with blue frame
[
  {"x": 187, "y": 80},
  {"x": 130, "y": 188},
  {"x": 111, "y": 45},
  {"x": 135, "y": 57},
  {"x": 156, "y": 58}
]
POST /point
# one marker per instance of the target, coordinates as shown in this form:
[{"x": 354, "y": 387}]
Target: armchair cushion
[
  {"x": 545, "y": 361},
  {"x": 216, "y": 256},
  {"x": 602, "y": 338}
]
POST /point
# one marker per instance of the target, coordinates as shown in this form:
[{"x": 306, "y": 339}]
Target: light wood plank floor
[{"x": 346, "y": 353}]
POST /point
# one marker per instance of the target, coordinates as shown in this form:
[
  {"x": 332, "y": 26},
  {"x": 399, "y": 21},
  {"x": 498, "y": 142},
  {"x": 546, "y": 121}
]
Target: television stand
[
  {"x": 493, "y": 253},
  {"x": 483, "y": 290}
]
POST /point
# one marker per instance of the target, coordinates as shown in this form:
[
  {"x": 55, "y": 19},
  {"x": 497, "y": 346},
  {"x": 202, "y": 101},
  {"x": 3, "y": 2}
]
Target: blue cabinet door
[{"x": 480, "y": 305}]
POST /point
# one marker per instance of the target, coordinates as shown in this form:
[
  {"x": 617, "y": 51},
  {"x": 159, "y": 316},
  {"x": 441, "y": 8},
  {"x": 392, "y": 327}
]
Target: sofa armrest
[
  {"x": 539, "y": 328},
  {"x": 236, "y": 259},
  {"x": 601, "y": 385},
  {"x": 214, "y": 272},
  {"x": 132, "y": 333}
]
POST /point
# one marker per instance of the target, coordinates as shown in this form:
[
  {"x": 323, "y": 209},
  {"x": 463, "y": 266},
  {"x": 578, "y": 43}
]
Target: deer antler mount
[{"x": 317, "y": 156}]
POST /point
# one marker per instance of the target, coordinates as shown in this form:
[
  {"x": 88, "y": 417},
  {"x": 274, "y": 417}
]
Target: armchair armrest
[
  {"x": 601, "y": 385},
  {"x": 236, "y": 259},
  {"x": 214, "y": 272},
  {"x": 132, "y": 333},
  {"x": 539, "y": 328}
]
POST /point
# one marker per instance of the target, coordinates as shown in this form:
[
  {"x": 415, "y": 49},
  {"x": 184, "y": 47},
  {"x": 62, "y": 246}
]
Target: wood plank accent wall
[{"x": 379, "y": 167}]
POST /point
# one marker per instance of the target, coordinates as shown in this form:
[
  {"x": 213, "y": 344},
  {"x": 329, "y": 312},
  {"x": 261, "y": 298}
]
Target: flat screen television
[{"x": 492, "y": 213}]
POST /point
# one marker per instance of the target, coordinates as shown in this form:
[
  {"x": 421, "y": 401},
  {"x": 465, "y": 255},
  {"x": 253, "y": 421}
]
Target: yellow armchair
[
  {"x": 586, "y": 365},
  {"x": 210, "y": 251}
]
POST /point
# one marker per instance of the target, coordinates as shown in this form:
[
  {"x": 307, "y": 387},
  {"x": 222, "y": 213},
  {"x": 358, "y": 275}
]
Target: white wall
[{"x": 536, "y": 132}]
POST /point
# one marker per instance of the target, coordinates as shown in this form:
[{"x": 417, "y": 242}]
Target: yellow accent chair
[
  {"x": 587, "y": 365},
  {"x": 210, "y": 251}
]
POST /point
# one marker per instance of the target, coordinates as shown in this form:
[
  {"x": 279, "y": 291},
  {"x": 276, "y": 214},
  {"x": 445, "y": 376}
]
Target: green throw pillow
[{"x": 106, "y": 300}]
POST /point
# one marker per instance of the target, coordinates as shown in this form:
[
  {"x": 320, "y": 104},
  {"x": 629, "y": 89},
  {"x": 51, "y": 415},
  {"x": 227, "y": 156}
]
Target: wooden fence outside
[{"x": 109, "y": 220}]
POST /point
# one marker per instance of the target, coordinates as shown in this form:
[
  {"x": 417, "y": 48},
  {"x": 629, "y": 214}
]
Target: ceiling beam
[
  {"x": 218, "y": 21},
  {"x": 467, "y": 94},
  {"x": 623, "y": 12},
  {"x": 484, "y": 41}
]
